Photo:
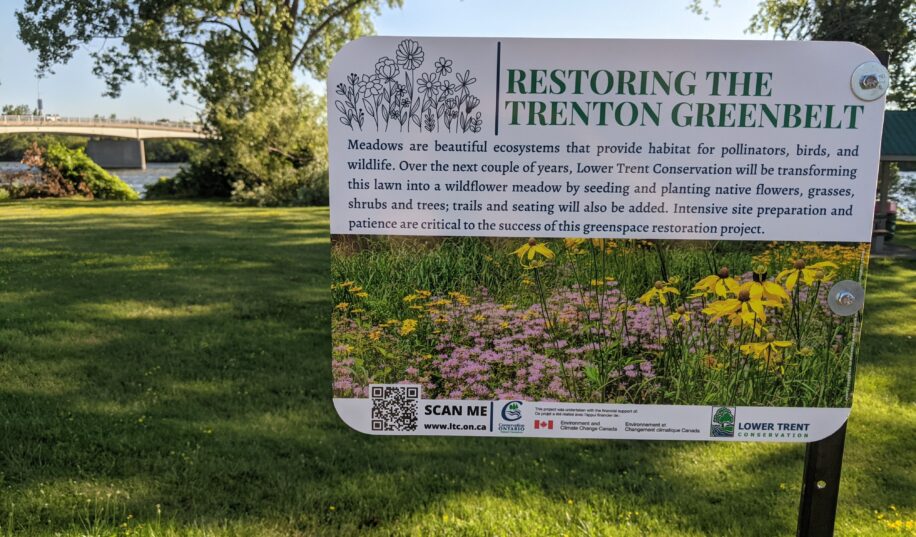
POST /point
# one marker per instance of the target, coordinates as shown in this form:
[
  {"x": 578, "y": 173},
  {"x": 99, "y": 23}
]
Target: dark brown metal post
[{"x": 821, "y": 485}]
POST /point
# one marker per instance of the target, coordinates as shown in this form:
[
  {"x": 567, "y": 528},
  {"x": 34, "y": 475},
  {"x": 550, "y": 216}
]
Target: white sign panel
[
  {"x": 654, "y": 139},
  {"x": 545, "y": 227}
]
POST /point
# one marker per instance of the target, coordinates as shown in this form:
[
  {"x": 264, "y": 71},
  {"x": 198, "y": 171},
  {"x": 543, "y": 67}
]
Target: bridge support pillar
[{"x": 117, "y": 153}]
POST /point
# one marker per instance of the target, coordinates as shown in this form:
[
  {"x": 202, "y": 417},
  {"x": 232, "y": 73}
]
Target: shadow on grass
[{"x": 182, "y": 353}]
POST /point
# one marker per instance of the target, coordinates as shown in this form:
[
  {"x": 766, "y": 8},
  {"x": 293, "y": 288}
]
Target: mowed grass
[{"x": 165, "y": 371}]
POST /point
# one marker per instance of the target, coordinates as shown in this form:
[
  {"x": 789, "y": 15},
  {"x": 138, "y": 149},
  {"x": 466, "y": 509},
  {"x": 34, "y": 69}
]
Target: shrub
[
  {"x": 77, "y": 168},
  {"x": 314, "y": 190},
  {"x": 41, "y": 181},
  {"x": 303, "y": 188},
  {"x": 204, "y": 177},
  {"x": 164, "y": 187}
]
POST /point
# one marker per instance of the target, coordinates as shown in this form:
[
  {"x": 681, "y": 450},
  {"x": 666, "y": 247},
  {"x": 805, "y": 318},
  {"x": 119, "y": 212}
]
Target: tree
[
  {"x": 237, "y": 56},
  {"x": 187, "y": 45},
  {"x": 876, "y": 24},
  {"x": 16, "y": 110}
]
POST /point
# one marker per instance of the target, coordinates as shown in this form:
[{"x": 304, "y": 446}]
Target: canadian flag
[{"x": 538, "y": 424}]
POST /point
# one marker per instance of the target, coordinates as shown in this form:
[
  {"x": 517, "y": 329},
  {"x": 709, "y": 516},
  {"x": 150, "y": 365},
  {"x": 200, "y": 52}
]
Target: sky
[{"x": 74, "y": 91}]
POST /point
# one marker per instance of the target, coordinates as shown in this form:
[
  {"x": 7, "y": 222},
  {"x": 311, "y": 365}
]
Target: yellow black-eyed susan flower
[{"x": 659, "y": 292}]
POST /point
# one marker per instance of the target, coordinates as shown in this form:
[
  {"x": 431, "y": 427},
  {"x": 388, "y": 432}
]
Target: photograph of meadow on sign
[{"x": 595, "y": 320}]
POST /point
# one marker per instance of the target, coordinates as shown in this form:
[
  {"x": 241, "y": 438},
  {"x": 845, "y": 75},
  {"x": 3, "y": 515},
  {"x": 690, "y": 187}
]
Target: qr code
[{"x": 394, "y": 407}]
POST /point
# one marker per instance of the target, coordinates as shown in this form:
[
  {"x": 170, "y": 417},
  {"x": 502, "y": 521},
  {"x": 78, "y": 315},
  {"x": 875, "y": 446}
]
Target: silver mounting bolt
[
  {"x": 869, "y": 81},
  {"x": 845, "y": 298}
]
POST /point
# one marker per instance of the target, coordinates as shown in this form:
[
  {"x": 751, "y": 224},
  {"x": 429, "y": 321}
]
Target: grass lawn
[{"x": 165, "y": 370}]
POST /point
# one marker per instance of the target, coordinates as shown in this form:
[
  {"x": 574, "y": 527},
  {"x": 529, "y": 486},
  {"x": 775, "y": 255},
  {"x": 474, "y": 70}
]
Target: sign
[{"x": 600, "y": 238}]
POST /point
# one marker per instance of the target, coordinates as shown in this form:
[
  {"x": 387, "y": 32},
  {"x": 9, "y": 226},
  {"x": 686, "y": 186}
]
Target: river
[{"x": 137, "y": 179}]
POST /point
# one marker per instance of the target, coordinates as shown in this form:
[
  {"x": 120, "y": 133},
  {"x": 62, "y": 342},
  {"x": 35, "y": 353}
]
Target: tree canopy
[
  {"x": 16, "y": 110},
  {"x": 888, "y": 25},
  {"x": 189, "y": 44}
]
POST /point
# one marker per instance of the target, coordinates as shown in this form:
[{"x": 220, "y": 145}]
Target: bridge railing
[{"x": 98, "y": 121}]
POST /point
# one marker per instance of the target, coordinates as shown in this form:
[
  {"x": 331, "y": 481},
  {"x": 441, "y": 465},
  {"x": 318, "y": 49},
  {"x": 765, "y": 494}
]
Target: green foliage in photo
[{"x": 594, "y": 320}]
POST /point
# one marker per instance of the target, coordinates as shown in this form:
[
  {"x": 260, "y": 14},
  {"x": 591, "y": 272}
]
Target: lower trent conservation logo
[{"x": 723, "y": 422}]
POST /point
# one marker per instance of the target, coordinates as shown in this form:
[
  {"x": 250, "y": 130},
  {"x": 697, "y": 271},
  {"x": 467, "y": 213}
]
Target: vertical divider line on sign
[{"x": 496, "y": 118}]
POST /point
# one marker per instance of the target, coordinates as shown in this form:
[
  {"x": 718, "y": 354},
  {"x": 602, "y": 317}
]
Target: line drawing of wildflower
[
  {"x": 465, "y": 81},
  {"x": 443, "y": 66},
  {"x": 349, "y": 106},
  {"x": 410, "y": 54},
  {"x": 398, "y": 94},
  {"x": 446, "y": 88},
  {"x": 429, "y": 121},
  {"x": 428, "y": 84},
  {"x": 387, "y": 69}
]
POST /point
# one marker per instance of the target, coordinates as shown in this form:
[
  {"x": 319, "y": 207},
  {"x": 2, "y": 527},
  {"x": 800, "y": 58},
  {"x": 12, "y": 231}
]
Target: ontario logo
[
  {"x": 723, "y": 422},
  {"x": 512, "y": 412}
]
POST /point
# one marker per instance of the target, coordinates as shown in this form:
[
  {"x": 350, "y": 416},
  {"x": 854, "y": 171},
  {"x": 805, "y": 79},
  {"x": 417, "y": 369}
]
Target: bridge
[
  {"x": 126, "y": 152},
  {"x": 93, "y": 126}
]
